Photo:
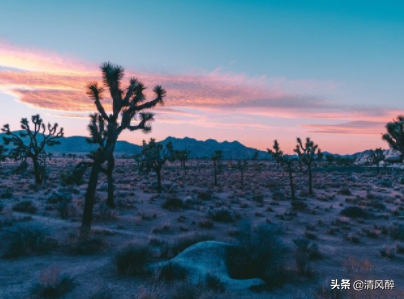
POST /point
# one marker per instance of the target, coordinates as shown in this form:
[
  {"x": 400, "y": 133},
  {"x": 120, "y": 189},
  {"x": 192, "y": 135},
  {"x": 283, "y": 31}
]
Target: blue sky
[{"x": 346, "y": 53}]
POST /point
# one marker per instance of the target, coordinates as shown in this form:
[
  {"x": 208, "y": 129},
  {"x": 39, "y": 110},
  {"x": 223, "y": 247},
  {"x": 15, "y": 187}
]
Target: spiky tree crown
[
  {"x": 128, "y": 103},
  {"x": 395, "y": 134},
  {"x": 307, "y": 153},
  {"x": 217, "y": 155},
  {"x": 279, "y": 156}
]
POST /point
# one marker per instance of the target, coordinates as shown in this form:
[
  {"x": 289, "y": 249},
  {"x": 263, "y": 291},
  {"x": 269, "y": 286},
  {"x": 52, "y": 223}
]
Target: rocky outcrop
[{"x": 209, "y": 258}]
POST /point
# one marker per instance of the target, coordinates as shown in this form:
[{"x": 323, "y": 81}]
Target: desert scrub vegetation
[
  {"x": 222, "y": 214},
  {"x": 76, "y": 244},
  {"x": 305, "y": 252},
  {"x": 23, "y": 239},
  {"x": 132, "y": 259},
  {"x": 259, "y": 253},
  {"x": 26, "y": 206},
  {"x": 52, "y": 284},
  {"x": 354, "y": 212}
]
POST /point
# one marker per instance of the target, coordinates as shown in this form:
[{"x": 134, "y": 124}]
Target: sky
[{"x": 251, "y": 71}]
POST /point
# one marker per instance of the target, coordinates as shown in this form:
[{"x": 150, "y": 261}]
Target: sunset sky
[{"x": 251, "y": 71}]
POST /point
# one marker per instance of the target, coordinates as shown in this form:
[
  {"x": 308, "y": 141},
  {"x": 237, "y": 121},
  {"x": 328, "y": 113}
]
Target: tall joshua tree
[
  {"x": 307, "y": 155},
  {"x": 216, "y": 158},
  {"x": 377, "y": 156},
  {"x": 39, "y": 137},
  {"x": 285, "y": 160},
  {"x": 395, "y": 135},
  {"x": 153, "y": 157},
  {"x": 127, "y": 104}
]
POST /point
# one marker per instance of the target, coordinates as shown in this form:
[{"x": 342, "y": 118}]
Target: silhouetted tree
[
  {"x": 38, "y": 137},
  {"x": 127, "y": 104},
  {"x": 182, "y": 156},
  {"x": 395, "y": 135},
  {"x": 330, "y": 158},
  {"x": 153, "y": 157},
  {"x": 242, "y": 166},
  {"x": 307, "y": 154},
  {"x": 216, "y": 158},
  {"x": 377, "y": 156},
  {"x": 3, "y": 153},
  {"x": 284, "y": 160}
]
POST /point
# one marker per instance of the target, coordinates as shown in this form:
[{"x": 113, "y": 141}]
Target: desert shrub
[
  {"x": 25, "y": 206},
  {"x": 171, "y": 271},
  {"x": 78, "y": 245},
  {"x": 222, "y": 214},
  {"x": 345, "y": 191},
  {"x": 205, "y": 223},
  {"x": 52, "y": 284},
  {"x": 298, "y": 204},
  {"x": 6, "y": 193},
  {"x": 258, "y": 198},
  {"x": 59, "y": 196},
  {"x": 24, "y": 239},
  {"x": 101, "y": 293},
  {"x": 214, "y": 283},
  {"x": 65, "y": 209},
  {"x": 354, "y": 212},
  {"x": 205, "y": 195},
  {"x": 305, "y": 251},
  {"x": 132, "y": 259},
  {"x": 388, "y": 251},
  {"x": 1, "y": 207},
  {"x": 258, "y": 254},
  {"x": 173, "y": 203},
  {"x": 396, "y": 231}
]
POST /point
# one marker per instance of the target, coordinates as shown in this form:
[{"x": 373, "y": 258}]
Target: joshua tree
[
  {"x": 39, "y": 137},
  {"x": 216, "y": 158},
  {"x": 395, "y": 135},
  {"x": 242, "y": 166},
  {"x": 330, "y": 158},
  {"x": 377, "y": 156},
  {"x": 285, "y": 160},
  {"x": 153, "y": 157},
  {"x": 182, "y": 156},
  {"x": 3, "y": 153},
  {"x": 307, "y": 154},
  {"x": 127, "y": 104}
]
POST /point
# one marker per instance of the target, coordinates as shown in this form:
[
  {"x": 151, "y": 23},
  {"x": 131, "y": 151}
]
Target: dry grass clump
[{"x": 52, "y": 284}]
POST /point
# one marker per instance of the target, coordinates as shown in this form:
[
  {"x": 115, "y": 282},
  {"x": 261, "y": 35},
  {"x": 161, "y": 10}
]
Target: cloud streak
[
  {"x": 49, "y": 81},
  {"x": 359, "y": 127}
]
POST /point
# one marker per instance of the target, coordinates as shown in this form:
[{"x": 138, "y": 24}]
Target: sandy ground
[{"x": 350, "y": 247}]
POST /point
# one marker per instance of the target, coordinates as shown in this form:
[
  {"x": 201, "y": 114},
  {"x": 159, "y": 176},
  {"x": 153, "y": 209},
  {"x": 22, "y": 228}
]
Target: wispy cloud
[
  {"x": 50, "y": 81},
  {"x": 359, "y": 127}
]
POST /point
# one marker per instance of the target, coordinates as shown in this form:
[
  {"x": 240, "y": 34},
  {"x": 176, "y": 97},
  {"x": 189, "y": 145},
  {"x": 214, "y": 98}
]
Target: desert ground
[{"x": 365, "y": 243}]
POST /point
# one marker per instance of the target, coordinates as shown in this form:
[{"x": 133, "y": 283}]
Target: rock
[{"x": 210, "y": 258}]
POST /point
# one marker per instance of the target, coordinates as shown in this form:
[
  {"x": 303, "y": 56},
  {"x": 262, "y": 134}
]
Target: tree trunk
[
  {"x": 310, "y": 181},
  {"x": 292, "y": 189},
  {"x": 90, "y": 195},
  {"x": 37, "y": 171},
  {"x": 215, "y": 170},
  {"x": 377, "y": 168},
  {"x": 110, "y": 169},
  {"x": 158, "y": 172}
]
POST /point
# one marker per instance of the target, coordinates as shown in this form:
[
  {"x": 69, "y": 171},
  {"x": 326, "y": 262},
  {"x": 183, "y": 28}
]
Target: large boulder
[
  {"x": 392, "y": 156},
  {"x": 209, "y": 257}
]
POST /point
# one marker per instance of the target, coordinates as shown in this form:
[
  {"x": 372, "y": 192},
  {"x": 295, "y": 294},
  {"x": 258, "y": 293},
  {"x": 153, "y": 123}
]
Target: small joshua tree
[
  {"x": 330, "y": 159},
  {"x": 288, "y": 161},
  {"x": 395, "y": 135},
  {"x": 216, "y": 158},
  {"x": 37, "y": 137},
  {"x": 182, "y": 156},
  {"x": 307, "y": 154},
  {"x": 242, "y": 166},
  {"x": 127, "y": 104},
  {"x": 153, "y": 157},
  {"x": 377, "y": 156}
]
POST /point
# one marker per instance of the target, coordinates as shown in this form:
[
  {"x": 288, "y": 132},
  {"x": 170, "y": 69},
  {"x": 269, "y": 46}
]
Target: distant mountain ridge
[{"x": 198, "y": 148}]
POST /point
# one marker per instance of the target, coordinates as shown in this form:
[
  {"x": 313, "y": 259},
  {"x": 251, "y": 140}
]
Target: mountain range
[{"x": 197, "y": 148}]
